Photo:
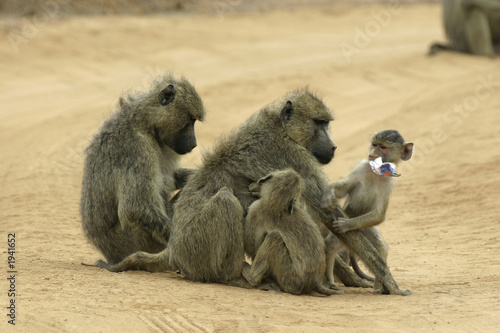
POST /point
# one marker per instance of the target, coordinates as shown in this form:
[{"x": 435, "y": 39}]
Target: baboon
[
  {"x": 206, "y": 242},
  {"x": 282, "y": 239},
  {"x": 132, "y": 166},
  {"x": 366, "y": 191},
  {"x": 471, "y": 26}
]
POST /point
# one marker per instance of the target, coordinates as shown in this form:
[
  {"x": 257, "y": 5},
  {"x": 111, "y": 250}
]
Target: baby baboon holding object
[
  {"x": 132, "y": 166},
  {"x": 283, "y": 240},
  {"x": 366, "y": 194}
]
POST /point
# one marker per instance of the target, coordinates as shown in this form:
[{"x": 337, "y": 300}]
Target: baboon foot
[
  {"x": 102, "y": 264},
  {"x": 269, "y": 286},
  {"x": 330, "y": 290},
  {"x": 240, "y": 283},
  {"x": 389, "y": 288},
  {"x": 333, "y": 286},
  {"x": 400, "y": 292}
]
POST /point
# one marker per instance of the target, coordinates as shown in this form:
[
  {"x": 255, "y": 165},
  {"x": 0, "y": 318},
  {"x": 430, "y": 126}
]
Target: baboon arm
[
  {"x": 140, "y": 204},
  {"x": 367, "y": 220},
  {"x": 181, "y": 177},
  {"x": 342, "y": 187},
  {"x": 335, "y": 191}
]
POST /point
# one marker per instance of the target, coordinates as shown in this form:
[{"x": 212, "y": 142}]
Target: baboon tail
[
  {"x": 358, "y": 270},
  {"x": 141, "y": 261}
]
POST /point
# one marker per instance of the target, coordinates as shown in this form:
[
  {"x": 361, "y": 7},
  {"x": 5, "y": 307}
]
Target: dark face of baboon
[
  {"x": 183, "y": 140},
  {"x": 391, "y": 146},
  {"x": 307, "y": 123}
]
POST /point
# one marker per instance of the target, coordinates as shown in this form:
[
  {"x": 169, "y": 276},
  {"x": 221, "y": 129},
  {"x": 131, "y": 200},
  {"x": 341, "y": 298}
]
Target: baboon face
[
  {"x": 391, "y": 146},
  {"x": 307, "y": 123},
  {"x": 179, "y": 134},
  {"x": 321, "y": 144}
]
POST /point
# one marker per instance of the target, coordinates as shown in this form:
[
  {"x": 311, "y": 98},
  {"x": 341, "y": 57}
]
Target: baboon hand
[
  {"x": 255, "y": 189},
  {"x": 329, "y": 202},
  {"x": 342, "y": 225}
]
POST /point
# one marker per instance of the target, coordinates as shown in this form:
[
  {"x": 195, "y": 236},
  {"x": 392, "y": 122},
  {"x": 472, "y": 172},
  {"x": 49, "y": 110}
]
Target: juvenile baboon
[
  {"x": 366, "y": 191},
  {"x": 206, "y": 242},
  {"x": 471, "y": 26},
  {"x": 132, "y": 166},
  {"x": 282, "y": 239}
]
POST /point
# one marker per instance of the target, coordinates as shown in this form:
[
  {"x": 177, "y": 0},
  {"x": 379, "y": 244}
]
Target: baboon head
[
  {"x": 168, "y": 111},
  {"x": 282, "y": 188},
  {"x": 179, "y": 107},
  {"x": 306, "y": 122},
  {"x": 391, "y": 146}
]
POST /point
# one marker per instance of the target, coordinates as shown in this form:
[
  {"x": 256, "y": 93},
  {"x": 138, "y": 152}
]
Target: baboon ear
[
  {"x": 265, "y": 178},
  {"x": 167, "y": 95},
  {"x": 407, "y": 151},
  {"x": 290, "y": 206},
  {"x": 286, "y": 112}
]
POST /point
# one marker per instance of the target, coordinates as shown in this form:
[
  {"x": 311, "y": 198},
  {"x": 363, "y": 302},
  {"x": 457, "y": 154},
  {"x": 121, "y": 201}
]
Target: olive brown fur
[
  {"x": 206, "y": 242},
  {"x": 132, "y": 165}
]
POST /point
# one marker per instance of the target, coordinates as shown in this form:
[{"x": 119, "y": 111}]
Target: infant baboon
[
  {"x": 132, "y": 166},
  {"x": 206, "y": 242},
  {"x": 471, "y": 26},
  {"x": 366, "y": 191},
  {"x": 283, "y": 240}
]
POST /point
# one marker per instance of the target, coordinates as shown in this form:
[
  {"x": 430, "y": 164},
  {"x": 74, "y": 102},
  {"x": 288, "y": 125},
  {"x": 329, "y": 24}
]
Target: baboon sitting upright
[
  {"x": 366, "y": 190},
  {"x": 206, "y": 242},
  {"x": 132, "y": 166},
  {"x": 282, "y": 239},
  {"x": 471, "y": 26}
]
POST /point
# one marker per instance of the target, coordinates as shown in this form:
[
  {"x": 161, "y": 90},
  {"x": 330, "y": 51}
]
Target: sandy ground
[{"x": 62, "y": 78}]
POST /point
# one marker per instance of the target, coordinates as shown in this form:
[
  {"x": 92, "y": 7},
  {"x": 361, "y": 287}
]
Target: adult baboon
[
  {"x": 367, "y": 190},
  {"x": 282, "y": 239},
  {"x": 206, "y": 242},
  {"x": 132, "y": 166},
  {"x": 471, "y": 26}
]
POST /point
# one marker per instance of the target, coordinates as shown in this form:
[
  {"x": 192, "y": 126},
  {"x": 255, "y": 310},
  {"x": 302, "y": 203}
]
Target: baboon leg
[
  {"x": 123, "y": 241},
  {"x": 330, "y": 266},
  {"x": 374, "y": 236},
  {"x": 210, "y": 247},
  {"x": 260, "y": 264},
  {"x": 347, "y": 276},
  {"x": 265, "y": 284},
  {"x": 144, "y": 261},
  {"x": 359, "y": 244},
  {"x": 333, "y": 246},
  {"x": 477, "y": 33}
]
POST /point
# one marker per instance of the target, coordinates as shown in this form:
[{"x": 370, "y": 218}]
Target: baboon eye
[
  {"x": 383, "y": 147},
  {"x": 319, "y": 122}
]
